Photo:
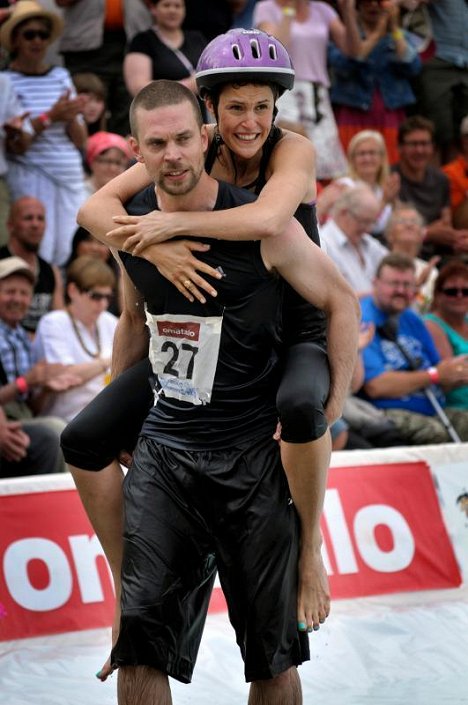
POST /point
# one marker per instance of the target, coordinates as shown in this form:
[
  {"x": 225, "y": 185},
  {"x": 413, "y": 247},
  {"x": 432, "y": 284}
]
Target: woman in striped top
[{"x": 50, "y": 169}]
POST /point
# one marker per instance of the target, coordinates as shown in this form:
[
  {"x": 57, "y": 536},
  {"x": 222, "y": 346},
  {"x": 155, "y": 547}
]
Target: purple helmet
[{"x": 244, "y": 55}]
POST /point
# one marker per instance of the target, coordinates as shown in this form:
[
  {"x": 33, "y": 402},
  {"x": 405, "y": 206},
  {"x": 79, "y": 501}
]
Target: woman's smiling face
[{"x": 245, "y": 116}]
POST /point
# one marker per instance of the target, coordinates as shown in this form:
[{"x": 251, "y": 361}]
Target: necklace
[{"x": 81, "y": 341}]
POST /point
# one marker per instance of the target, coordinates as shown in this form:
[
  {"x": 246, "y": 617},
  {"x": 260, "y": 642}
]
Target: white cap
[{"x": 15, "y": 265}]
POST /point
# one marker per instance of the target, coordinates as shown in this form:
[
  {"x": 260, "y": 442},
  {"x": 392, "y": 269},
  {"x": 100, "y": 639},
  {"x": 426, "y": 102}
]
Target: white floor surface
[{"x": 409, "y": 649}]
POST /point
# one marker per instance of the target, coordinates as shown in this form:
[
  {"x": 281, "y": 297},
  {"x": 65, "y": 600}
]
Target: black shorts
[{"x": 187, "y": 514}]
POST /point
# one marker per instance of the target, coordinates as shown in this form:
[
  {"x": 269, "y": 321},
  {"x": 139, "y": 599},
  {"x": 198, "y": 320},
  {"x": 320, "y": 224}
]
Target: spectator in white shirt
[{"x": 345, "y": 237}]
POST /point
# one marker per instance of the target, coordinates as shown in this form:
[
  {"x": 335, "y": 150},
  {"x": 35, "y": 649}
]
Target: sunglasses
[
  {"x": 31, "y": 34},
  {"x": 454, "y": 291},
  {"x": 97, "y": 296}
]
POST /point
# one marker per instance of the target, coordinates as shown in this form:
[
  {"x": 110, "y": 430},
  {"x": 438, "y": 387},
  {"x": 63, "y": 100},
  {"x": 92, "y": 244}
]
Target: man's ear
[{"x": 135, "y": 147}]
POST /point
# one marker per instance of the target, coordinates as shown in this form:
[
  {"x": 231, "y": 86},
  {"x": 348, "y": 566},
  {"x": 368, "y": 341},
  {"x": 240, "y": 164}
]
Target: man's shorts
[{"x": 188, "y": 514}]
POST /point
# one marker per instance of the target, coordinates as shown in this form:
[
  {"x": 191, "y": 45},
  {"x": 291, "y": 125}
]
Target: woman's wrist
[{"x": 41, "y": 123}]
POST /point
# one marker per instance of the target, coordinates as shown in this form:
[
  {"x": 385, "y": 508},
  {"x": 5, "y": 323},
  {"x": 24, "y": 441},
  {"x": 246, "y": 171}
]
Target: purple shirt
[{"x": 309, "y": 39}]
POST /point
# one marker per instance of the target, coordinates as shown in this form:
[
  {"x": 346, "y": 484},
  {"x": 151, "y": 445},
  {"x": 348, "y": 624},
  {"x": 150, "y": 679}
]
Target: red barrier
[{"x": 382, "y": 526}]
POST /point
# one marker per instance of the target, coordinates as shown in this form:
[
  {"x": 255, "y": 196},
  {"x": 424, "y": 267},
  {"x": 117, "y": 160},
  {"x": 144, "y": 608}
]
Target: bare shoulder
[
  {"x": 293, "y": 152},
  {"x": 293, "y": 141}
]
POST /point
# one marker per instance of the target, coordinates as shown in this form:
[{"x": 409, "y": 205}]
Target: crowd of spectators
[{"x": 385, "y": 104}]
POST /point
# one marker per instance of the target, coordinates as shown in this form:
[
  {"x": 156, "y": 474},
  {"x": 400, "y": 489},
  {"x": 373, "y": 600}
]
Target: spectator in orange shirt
[{"x": 457, "y": 173}]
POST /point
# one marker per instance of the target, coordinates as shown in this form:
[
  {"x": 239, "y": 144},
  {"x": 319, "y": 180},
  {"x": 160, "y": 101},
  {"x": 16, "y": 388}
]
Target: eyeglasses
[
  {"x": 453, "y": 291},
  {"x": 111, "y": 162},
  {"x": 407, "y": 221},
  {"x": 368, "y": 153},
  {"x": 362, "y": 221},
  {"x": 407, "y": 286},
  {"x": 98, "y": 296},
  {"x": 31, "y": 34},
  {"x": 417, "y": 143}
]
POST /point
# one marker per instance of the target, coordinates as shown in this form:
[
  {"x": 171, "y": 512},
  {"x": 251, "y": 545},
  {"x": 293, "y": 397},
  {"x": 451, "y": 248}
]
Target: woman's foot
[{"x": 313, "y": 596}]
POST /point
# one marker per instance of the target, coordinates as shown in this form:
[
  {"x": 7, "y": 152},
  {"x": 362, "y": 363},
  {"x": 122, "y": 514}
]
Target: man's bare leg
[
  {"x": 306, "y": 467},
  {"x": 285, "y": 689},
  {"x": 102, "y": 498},
  {"x": 142, "y": 685}
]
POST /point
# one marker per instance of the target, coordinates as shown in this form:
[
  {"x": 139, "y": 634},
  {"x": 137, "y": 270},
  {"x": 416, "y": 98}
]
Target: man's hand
[
  {"x": 14, "y": 442},
  {"x": 460, "y": 242}
]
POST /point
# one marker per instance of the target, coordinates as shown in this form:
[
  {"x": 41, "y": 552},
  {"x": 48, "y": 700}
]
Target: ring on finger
[{"x": 187, "y": 283}]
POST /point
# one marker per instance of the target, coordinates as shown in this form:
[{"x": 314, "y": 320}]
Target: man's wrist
[{"x": 434, "y": 375}]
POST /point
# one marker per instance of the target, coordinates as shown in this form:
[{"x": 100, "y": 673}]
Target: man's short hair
[
  {"x": 395, "y": 260},
  {"x": 413, "y": 123},
  {"x": 159, "y": 94}
]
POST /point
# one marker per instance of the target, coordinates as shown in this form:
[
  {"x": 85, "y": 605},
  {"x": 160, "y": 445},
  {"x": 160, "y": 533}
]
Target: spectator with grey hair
[
  {"x": 345, "y": 237},
  {"x": 405, "y": 233}
]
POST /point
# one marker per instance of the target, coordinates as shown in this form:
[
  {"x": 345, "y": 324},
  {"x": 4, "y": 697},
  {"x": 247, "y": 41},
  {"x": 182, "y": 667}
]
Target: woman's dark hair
[{"x": 453, "y": 268}]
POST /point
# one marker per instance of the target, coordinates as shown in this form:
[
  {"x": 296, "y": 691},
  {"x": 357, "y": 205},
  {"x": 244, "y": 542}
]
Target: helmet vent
[
  {"x": 254, "y": 45},
  {"x": 272, "y": 51},
  {"x": 237, "y": 52}
]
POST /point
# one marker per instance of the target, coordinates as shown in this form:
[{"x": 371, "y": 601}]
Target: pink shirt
[{"x": 309, "y": 39}]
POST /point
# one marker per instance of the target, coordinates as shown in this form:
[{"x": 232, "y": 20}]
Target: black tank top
[
  {"x": 242, "y": 404},
  {"x": 301, "y": 320}
]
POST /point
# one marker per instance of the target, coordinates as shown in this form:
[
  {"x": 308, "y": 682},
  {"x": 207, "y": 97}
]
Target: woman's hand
[
  {"x": 65, "y": 109},
  {"x": 142, "y": 231},
  {"x": 178, "y": 265}
]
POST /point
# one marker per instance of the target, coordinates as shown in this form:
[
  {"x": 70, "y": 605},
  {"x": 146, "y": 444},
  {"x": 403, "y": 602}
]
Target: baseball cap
[
  {"x": 15, "y": 265},
  {"x": 102, "y": 141}
]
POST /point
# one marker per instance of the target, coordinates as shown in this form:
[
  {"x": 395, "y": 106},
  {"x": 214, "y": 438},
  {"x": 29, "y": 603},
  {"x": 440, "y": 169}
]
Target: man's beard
[{"x": 182, "y": 188}]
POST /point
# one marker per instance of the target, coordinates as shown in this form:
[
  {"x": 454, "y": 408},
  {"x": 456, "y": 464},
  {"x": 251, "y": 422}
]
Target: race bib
[{"x": 184, "y": 353}]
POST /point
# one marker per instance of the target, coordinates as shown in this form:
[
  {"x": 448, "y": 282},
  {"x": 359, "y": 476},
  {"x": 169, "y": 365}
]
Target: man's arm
[
  {"x": 131, "y": 334},
  {"x": 453, "y": 372}
]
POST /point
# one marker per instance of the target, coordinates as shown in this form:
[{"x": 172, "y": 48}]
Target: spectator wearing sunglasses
[
  {"x": 50, "y": 167},
  {"x": 80, "y": 336},
  {"x": 448, "y": 320}
]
